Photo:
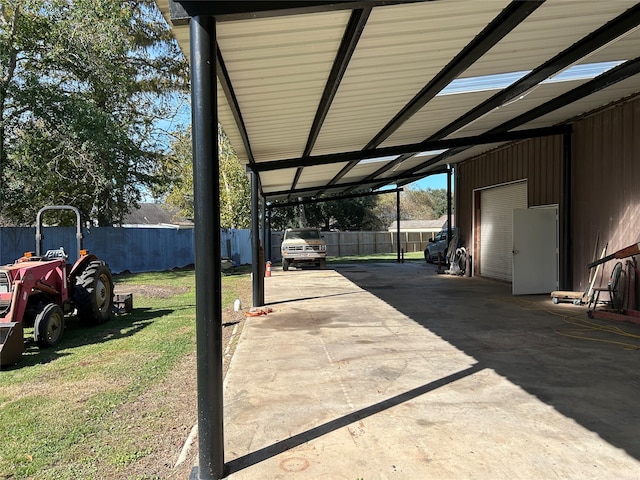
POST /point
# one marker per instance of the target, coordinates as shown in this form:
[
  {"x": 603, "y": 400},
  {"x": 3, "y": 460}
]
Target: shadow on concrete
[
  {"x": 594, "y": 381},
  {"x": 304, "y": 437},
  {"x": 310, "y": 297}
]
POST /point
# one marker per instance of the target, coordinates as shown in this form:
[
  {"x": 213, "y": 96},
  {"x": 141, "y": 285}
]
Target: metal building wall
[
  {"x": 605, "y": 184},
  {"x": 538, "y": 160}
]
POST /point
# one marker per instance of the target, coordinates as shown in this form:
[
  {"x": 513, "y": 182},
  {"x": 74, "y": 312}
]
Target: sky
[{"x": 432, "y": 181}]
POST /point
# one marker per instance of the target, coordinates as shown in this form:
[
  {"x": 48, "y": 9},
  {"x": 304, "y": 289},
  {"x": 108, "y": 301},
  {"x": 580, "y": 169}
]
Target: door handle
[{"x": 515, "y": 252}]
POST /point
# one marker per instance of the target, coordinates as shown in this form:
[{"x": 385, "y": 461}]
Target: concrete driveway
[{"x": 390, "y": 371}]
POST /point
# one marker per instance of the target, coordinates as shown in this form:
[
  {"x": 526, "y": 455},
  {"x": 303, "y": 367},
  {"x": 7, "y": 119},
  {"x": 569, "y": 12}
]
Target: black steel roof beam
[
  {"x": 613, "y": 29},
  {"x": 512, "y": 15},
  {"x": 232, "y": 100},
  {"x": 390, "y": 165},
  {"x": 602, "y": 81},
  {"x": 329, "y": 199},
  {"x": 350, "y": 39},
  {"x": 306, "y": 190},
  {"x": 358, "y": 155},
  {"x": 182, "y": 11},
  {"x": 403, "y": 179}
]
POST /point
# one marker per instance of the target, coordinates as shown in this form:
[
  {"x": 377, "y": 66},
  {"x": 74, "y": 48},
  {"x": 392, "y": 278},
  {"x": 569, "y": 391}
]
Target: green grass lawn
[
  {"x": 67, "y": 411},
  {"x": 378, "y": 257}
]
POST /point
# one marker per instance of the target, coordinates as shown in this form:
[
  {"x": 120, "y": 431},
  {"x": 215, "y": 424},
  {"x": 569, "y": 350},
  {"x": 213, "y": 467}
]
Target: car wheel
[
  {"x": 285, "y": 264},
  {"x": 427, "y": 256}
]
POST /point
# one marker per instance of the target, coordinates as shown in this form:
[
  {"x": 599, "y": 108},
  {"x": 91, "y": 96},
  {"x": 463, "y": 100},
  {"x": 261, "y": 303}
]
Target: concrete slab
[{"x": 390, "y": 371}]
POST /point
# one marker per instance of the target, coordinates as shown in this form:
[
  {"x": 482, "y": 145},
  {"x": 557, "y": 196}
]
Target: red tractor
[{"x": 40, "y": 290}]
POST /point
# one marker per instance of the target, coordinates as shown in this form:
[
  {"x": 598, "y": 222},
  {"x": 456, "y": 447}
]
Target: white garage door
[{"x": 496, "y": 228}]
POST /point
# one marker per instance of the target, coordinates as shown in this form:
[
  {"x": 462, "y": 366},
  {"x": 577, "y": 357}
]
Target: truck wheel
[
  {"x": 323, "y": 264},
  {"x": 93, "y": 293},
  {"x": 285, "y": 264},
  {"x": 49, "y": 326}
]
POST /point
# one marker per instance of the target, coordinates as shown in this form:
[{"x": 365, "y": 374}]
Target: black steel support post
[
  {"x": 207, "y": 249},
  {"x": 267, "y": 240},
  {"x": 566, "y": 276},
  {"x": 263, "y": 228},
  {"x": 256, "y": 269},
  {"x": 398, "y": 222},
  {"x": 449, "y": 226}
]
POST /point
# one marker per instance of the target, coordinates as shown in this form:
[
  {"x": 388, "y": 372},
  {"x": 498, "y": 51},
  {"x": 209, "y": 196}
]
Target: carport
[{"x": 331, "y": 98}]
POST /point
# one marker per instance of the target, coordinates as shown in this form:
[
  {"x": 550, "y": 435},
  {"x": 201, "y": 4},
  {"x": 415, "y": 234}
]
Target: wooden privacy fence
[{"x": 340, "y": 244}]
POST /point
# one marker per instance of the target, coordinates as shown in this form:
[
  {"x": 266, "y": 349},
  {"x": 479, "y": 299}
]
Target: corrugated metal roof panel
[
  {"x": 279, "y": 66},
  {"x": 401, "y": 49},
  {"x": 548, "y": 31}
]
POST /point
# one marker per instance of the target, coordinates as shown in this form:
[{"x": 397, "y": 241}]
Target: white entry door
[{"x": 535, "y": 250}]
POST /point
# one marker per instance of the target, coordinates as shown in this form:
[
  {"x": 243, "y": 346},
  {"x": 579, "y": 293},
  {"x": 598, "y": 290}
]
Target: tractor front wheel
[
  {"x": 49, "y": 326},
  {"x": 93, "y": 293}
]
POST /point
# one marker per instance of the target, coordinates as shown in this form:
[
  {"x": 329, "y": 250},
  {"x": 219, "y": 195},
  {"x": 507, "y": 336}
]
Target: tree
[
  {"x": 344, "y": 214},
  {"x": 235, "y": 189},
  {"x": 415, "y": 204},
  {"x": 85, "y": 88}
]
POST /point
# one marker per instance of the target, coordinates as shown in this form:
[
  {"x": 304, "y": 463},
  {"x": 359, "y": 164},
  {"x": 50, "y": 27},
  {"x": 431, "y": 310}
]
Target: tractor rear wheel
[
  {"x": 93, "y": 293},
  {"x": 49, "y": 326}
]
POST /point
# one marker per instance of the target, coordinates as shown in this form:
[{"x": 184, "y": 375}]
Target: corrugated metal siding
[
  {"x": 605, "y": 182},
  {"x": 605, "y": 185},
  {"x": 539, "y": 161}
]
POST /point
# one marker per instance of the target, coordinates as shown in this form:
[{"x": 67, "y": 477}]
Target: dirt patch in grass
[
  {"x": 162, "y": 418},
  {"x": 150, "y": 291},
  {"x": 142, "y": 438}
]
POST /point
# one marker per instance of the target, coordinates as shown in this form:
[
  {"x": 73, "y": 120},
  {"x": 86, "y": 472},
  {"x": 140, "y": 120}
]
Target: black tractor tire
[
  {"x": 49, "y": 326},
  {"x": 93, "y": 293},
  {"x": 285, "y": 264}
]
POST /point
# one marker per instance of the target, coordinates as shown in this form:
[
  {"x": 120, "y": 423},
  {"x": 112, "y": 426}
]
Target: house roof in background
[
  {"x": 421, "y": 225},
  {"x": 310, "y": 91},
  {"x": 154, "y": 215}
]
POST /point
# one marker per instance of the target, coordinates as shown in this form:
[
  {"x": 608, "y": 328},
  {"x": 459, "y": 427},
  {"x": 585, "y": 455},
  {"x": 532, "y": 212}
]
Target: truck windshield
[{"x": 304, "y": 235}]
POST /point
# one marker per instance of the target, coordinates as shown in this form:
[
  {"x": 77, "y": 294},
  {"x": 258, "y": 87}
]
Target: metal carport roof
[
  {"x": 300, "y": 82},
  {"x": 309, "y": 92}
]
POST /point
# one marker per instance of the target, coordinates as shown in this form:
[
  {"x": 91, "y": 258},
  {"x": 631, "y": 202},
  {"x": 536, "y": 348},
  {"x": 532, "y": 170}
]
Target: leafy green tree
[
  {"x": 415, "y": 204},
  {"x": 438, "y": 201},
  {"x": 86, "y": 88},
  {"x": 235, "y": 189},
  {"x": 282, "y": 218},
  {"x": 344, "y": 214}
]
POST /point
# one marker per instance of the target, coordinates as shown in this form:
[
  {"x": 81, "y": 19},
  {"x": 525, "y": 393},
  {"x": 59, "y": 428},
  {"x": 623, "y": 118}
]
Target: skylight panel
[
  {"x": 377, "y": 159},
  {"x": 586, "y": 71},
  {"x": 500, "y": 81},
  {"x": 431, "y": 153}
]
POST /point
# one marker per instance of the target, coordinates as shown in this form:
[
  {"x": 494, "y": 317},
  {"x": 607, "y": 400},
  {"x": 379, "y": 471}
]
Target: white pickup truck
[
  {"x": 437, "y": 245},
  {"x": 303, "y": 247}
]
